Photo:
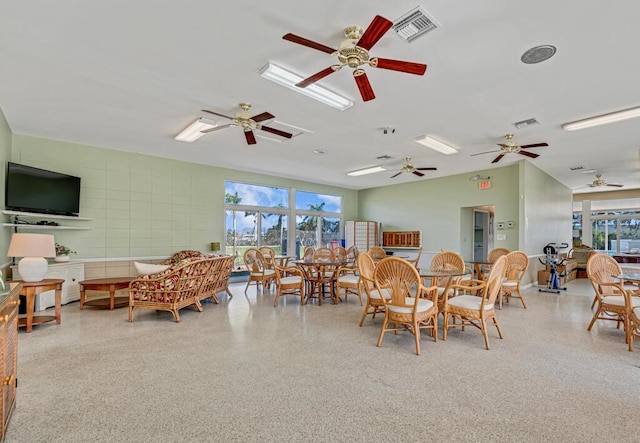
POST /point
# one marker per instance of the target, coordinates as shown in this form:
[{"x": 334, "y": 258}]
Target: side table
[
  {"x": 29, "y": 290},
  {"x": 111, "y": 284}
]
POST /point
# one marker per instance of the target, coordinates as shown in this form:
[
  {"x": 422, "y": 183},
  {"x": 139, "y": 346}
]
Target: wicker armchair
[
  {"x": 614, "y": 302},
  {"x": 444, "y": 261},
  {"x": 339, "y": 253},
  {"x": 517, "y": 264},
  {"x": 475, "y": 310},
  {"x": 347, "y": 279},
  {"x": 170, "y": 290},
  {"x": 374, "y": 304},
  {"x": 289, "y": 281},
  {"x": 492, "y": 256},
  {"x": 259, "y": 271},
  {"x": 412, "y": 306},
  {"x": 415, "y": 261},
  {"x": 308, "y": 253}
]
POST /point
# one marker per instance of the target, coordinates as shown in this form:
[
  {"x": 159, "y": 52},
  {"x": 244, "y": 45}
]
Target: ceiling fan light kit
[
  {"x": 436, "y": 145},
  {"x": 354, "y": 53},
  {"x": 194, "y": 131},
  {"x": 511, "y": 147},
  {"x": 366, "y": 171},
  {"x": 288, "y": 79},
  {"x": 603, "y": 119}
]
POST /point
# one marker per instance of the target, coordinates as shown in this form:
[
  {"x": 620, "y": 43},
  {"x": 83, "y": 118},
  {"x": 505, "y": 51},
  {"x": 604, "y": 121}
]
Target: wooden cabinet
[
  {"x": 401, "y": 239},
  {"x": 71, "y": 272},
  {"x": 9, "y": 353}
]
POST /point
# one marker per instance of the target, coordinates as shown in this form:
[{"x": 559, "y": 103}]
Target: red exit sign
[{"x": 484, "y": 184}]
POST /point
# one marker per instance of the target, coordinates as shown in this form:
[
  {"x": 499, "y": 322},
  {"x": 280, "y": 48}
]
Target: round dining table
[
  {"x": 442, "y": 275},
  {"x": 317, "y": 274}
]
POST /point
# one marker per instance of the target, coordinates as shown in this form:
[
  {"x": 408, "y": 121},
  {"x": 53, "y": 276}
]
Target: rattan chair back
[
  {"x": 308, "y": 253},
  {"x": 517, "y": 264},
  {"x": 323, "y": 254},
  {"x": 494, "y": 281},
  {"x": 601, "y": 269},
  {"x": 377, "y": 253},
  {"x": 447, "y": 260},
  {"x": 340, "y": 253},
  {"x": 493, "y": 255}
]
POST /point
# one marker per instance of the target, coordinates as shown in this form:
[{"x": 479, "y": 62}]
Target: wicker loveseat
[{"x": 189, "y": 279}]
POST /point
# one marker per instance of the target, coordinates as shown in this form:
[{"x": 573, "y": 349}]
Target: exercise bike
[{"x": 552, "y": 261}]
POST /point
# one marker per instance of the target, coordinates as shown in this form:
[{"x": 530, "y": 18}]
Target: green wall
[
  {"x": 546, "y": 209},
  {"x": 143, "y": 206},
  {"x": 5, "y": 154},
  {"x": 442, "y": 208}
]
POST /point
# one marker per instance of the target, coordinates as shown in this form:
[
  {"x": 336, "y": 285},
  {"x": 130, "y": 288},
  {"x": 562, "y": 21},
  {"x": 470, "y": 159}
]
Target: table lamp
[{"x": 34, "y": 249}]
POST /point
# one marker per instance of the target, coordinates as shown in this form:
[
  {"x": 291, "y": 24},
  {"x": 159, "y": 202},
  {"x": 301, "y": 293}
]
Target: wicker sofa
[{"x": 191, "y": 277}]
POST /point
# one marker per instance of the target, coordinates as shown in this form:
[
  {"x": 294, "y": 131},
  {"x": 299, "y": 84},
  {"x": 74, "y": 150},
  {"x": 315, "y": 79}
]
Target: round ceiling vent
[{"x": 538, "y": 54}]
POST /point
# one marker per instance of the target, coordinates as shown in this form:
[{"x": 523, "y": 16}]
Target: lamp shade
[
  {"x": 32, "y": 245},
  {"x": 32, "y": 248}
]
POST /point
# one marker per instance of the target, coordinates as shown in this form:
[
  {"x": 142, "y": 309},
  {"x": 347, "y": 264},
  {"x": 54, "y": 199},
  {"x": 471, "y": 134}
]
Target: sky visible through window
[{"x": 272, "y": 197}]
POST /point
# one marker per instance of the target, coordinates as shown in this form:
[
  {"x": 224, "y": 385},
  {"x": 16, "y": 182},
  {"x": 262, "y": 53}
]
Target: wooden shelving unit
[{"x": 401, "y": 239}]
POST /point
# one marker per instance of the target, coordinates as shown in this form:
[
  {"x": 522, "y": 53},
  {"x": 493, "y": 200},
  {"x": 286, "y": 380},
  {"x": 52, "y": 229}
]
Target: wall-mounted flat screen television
[{"x": 37, "y": 190}]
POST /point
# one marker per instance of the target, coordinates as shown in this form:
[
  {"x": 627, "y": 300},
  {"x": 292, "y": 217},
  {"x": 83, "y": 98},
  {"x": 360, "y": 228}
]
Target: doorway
[{"x": 482, "y": 233}]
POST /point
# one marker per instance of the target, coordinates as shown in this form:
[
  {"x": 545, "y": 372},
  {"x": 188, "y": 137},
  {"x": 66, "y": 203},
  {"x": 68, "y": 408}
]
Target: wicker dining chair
[
  {"x": 308, "y": 253},
  {"x": 340, "y": 253},
  {"x": 289, "y": 281},
  {"x": 517, "y": 264},
  {"x": 412, "y": 306},
  {"x": 374, "y": 304},
  {"x": 492, "y": 256},
  {"x": 475, "y": 310},
  {"x": 443, "y": 261},
  {"x": 269, "y": 256},
  {"x": 614, "y": 302},
  {"x": 352, "y": 255},
  {"x": 415, "y": 261},
  {"x": 634, "y": 326},
  {"x": 377, "y": 253},
  {"x": 348, "y": 282},
  {"x": 259, "y": 273}
]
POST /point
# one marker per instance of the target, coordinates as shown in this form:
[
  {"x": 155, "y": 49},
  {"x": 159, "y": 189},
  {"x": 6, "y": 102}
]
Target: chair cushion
[
  {"x": 423, "y": 305},
  {"x": 510, "y": 283},
  {"x": 291, "y": 280},
  {"x": 469, "y": 302},
  {"x": 349, "y": 279},
  {"x": 618, "y": 300},
  {"x": 149, "y": 268}
]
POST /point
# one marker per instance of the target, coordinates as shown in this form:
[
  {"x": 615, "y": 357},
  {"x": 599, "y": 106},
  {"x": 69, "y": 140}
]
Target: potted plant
[{"x": 62, "y": 253}]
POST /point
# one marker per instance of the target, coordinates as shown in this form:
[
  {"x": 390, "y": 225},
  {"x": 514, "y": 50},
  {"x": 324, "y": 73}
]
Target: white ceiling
[{"x": 129, "y": 75}]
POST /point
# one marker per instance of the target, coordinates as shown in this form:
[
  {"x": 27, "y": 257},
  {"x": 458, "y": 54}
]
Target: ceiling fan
[
  {"x": 354, "y": 52},
  {"x": 598, "y": 182},
  {"x": 510, "y": 147},
  {"x": 247, "y": 123},
  {"x": 408, "y": 167}
]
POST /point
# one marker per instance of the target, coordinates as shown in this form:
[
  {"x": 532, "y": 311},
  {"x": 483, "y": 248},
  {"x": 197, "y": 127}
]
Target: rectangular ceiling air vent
[
  {"x": 295, "y": 130},
  {"x": 525, "y": 123},
  {"x": 414, "y": 24}
]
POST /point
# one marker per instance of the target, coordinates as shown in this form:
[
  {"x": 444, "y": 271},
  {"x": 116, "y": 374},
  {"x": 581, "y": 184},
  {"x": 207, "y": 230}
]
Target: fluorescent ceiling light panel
[
  {"x": 603, "y": 119},
  {"x": 289, "y": 79},
  {"x": 193, "y": 132},
  {"x": 365, "y": 171},
  {"x": 436, "y": 145}
]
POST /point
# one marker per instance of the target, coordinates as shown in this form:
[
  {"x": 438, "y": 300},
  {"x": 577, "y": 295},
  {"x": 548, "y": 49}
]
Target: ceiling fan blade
[
  {"x": 215, "y": 113},
  {"x": 395, "y": 175},
  {"x": 419, "y": 174},
  {"x": 427, "y": 169},
  {"x": 485, "y": 152},
  {"x": 251, "y": 138},
  {"x": 528, "y": 154},
  {"x": 535, "y": 145},
  {"x": 399, "y": 65},
  {"x": 306, "y": 42},
  {"x": 262, "y": 117},
  {"x": 276, "y": 131},
  {"x": 363, "y": 85},
  {"x": 315, "y": 77},
  {"x": 216, "y": 128},
  {"x": 498, "y": 158},
  {"x": 374, "y": 32},
  {"x": 615, "y": 185}
]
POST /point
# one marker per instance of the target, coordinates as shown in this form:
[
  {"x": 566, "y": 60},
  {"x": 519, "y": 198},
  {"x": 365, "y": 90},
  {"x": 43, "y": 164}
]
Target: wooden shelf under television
[{"x": 43, "y": 216}]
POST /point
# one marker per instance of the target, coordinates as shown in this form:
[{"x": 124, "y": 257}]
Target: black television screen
[{"x": 38, "y": 190}]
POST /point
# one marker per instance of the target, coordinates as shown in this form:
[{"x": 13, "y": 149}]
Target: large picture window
[{"x": 258, "y": 215}]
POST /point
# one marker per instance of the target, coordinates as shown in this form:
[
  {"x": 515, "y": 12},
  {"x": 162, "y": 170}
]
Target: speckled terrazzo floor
[{"x": 242, "y": 371}]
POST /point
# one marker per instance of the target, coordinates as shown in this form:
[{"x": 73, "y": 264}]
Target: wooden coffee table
[{"x": 111, "y": 284}]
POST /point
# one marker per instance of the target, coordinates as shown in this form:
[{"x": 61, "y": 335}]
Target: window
[{"x": 257, "y": 215}]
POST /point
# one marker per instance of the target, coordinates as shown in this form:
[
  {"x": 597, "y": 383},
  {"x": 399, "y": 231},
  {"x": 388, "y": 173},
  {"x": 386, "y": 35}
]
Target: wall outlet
[{"x": 501, "y": 237}]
